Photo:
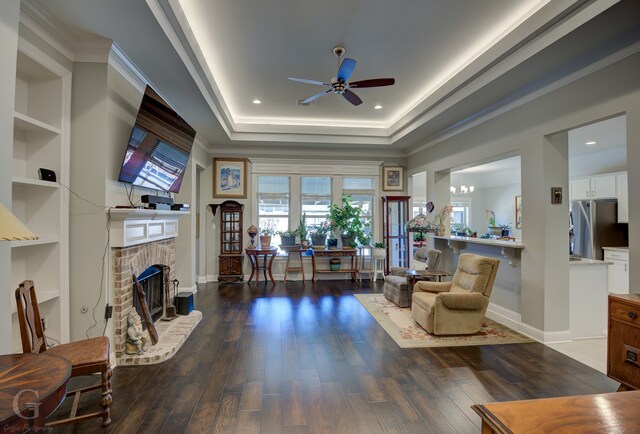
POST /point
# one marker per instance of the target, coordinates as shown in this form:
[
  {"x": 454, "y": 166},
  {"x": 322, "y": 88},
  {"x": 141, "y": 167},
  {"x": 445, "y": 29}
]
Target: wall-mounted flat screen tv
[{"x": 159, "y": 147}]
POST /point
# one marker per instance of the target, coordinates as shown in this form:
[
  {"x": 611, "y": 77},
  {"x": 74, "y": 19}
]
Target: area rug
[{"x": 398, "y": 324}]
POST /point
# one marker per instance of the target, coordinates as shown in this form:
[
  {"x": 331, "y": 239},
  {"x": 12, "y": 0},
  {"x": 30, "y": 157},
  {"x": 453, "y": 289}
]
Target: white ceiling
[
  {"x": 608, "y": 135},
  {"x": 455, "y": 63}
]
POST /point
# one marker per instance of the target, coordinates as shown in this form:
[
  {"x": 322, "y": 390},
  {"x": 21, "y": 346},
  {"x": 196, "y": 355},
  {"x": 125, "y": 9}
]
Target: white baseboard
[
  {"x": 513, "y": 320},
  {"x": 212, "y": 278},
  {"x": 202, "y": 279},
  {"x": 113, "y": 361},
  {"x": 192, "y": 289}
]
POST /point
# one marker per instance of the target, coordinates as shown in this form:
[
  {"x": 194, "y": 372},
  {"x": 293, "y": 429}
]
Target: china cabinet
[{"x": 230, "y": 256}]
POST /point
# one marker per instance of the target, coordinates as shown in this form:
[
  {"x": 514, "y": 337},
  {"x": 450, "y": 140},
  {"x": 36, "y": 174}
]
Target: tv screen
[{"x": 159, "y": 147}]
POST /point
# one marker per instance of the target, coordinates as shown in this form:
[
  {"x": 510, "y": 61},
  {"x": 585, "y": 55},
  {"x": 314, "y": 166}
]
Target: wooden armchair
[{"x": 87, "y": 357}]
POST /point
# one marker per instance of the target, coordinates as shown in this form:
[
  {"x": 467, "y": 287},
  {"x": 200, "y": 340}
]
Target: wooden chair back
[{"x": 31, "y": 333}]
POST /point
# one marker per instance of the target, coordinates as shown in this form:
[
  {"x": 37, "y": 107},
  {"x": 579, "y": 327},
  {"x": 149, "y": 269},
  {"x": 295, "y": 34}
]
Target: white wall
[{"x": 9, "y": 16}]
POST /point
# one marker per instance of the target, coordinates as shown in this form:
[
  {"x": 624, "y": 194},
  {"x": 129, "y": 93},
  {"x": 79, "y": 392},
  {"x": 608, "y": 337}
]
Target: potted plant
[
  {"x": 319, "y": 233},
  {"x": 506, "y": 230},
  {"x": 266, "y": 232},
  {"x": 346, "y": 220},
  {"x": 302, "y": 231},
  {"x": 441, "y": 217},
  {"x": 491, "y": 217},
  {"x": 288, "y": 237},
  {"x": 379, "y": 251}
]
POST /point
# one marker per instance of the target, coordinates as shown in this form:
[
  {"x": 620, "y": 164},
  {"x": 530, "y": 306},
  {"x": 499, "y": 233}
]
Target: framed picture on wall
[
  {"x": 230, "y": 178},
  {"x": 518, "y": 212},
  {"x": 392, "y": 178}
]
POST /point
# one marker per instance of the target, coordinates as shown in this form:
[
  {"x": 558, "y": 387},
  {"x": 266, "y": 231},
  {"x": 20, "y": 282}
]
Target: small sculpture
[
  {"x": 136, "y": 337},
  {"x": 252, "y": 231}
]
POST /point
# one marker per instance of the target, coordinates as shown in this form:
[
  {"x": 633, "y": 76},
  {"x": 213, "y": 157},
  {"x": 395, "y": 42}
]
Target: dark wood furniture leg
[
  {"x": 273, "y": 256},
  {"x": 253, "y": 267}
]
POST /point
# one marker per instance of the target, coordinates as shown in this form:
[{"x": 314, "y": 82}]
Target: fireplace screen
[{"x": 152, "y": 281}]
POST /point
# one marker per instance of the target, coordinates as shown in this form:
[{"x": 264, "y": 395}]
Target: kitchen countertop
[
  {"x": 513, "y": 244},
  {"x": 585, "y": 261},
  {"x": 619, "y": 249}
]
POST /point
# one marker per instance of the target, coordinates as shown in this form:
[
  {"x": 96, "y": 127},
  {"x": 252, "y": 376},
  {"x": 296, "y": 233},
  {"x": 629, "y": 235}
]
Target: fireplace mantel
[{"x": 133, "y": 226}]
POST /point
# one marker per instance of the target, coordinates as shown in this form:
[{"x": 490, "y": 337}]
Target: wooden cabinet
[
  {"x": 623, "y": 348},
  {"x": 395, "y": 214},
  {"x": 41, "y": 140},
  {"x": 230, "y": 265},
  {"x": 618, "y": 272}
]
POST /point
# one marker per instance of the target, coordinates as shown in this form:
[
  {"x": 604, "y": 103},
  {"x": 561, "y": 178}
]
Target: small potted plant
[
  {"x": 491, "y": 217},
  {"x": 266, "y": 232},
  {"x": 441, "y": 217},
  {"x": 379, "y": 251},
  {"x": 318, "y": 234},
  {"x": 302, "y": 231},
  {"x": 288, "y": 237},
  {"x": 346, "y": 220},
  {"x": 506, "y": 230}
]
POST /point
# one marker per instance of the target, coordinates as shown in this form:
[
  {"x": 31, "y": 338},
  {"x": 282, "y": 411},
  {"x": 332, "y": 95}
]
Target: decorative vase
[
  {"x": 441, "y": 229},
  {"x": 304, "y": 243},
  {"x": 265, "y": 241},
  {"x": 495, "y": 230},
  {"x": 332, "y": 243},
  {"x": 334, "y": 264},
  {"x": 506, "y": 232},
  {"x": 347, "y": 241},
  {"x": 318, "y": 240}
]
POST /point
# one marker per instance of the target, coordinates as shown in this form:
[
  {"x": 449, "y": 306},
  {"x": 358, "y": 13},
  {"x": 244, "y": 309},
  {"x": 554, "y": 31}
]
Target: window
[
  {"x": 315, "y": 198},
  {"x": 273, "y": 203},
  {"x": 362, "y": 191},
  {"x": 459, "y": 215}
]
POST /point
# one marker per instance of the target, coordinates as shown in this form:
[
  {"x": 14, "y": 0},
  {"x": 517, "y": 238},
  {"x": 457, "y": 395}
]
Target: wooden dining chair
[{"x": 87, "y": 357}]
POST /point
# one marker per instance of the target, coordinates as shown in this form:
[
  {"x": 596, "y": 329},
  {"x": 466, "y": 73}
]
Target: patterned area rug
[{"x": 397, "y": 322}]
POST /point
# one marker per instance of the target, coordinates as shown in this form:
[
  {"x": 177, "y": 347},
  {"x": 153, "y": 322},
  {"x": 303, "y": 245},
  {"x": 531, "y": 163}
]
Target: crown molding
[
  {"x": 39, "y": 22},
  {"x": 125, "y": 67}
]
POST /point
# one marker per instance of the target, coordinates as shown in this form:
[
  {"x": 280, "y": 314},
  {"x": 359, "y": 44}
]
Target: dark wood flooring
[{"x": 303, "y": 359}]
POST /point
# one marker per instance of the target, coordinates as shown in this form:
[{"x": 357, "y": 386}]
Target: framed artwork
[
  {"x": 230, "y": 178},
  {"x": 518, "y": 212},
  {"x": 392, "y": 178}
]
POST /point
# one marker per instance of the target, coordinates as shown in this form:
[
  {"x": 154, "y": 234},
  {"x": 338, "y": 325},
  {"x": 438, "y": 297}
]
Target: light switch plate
[{"x": 556, "y": 195}]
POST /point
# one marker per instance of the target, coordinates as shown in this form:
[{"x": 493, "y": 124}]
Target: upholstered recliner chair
[
  {"x": 396, "y": 284},
  {"x": 456, "y": 307}
]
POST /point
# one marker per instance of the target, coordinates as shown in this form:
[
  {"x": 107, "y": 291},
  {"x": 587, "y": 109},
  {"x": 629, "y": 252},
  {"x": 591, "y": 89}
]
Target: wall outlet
[{"x": 108, "y": 311}]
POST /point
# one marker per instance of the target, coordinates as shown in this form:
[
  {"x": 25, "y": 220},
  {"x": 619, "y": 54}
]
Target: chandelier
[{"x": 463, "y": 188}]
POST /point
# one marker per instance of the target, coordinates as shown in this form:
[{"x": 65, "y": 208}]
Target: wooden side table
[
  {"x": 292, "y": 268},
  {"x": 348, "y": 253},
  {"x": 254, "y": 257},
  {"x": 28, "y": 379},
  {"x": 623, "y": 343}
]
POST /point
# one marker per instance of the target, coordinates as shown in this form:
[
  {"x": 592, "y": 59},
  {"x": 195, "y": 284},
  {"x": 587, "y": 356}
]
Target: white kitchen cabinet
[
  {"x": 588, "y": 300},
  {"x": 579, "y": 189},
  {"x": 622, "y": 193},
  {"x": 618, "y": 279},
  {"x": 603, "y": 187}
]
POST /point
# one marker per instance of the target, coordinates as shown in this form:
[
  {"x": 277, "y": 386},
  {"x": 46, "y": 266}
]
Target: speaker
[
  {"x": 47, "y": 175},
  {"x": 184, "y": 303}
]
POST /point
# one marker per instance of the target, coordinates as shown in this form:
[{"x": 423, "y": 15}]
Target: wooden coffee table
[
  {"x": 417, "y": 275},
  {"x": 602, "y": 413}
]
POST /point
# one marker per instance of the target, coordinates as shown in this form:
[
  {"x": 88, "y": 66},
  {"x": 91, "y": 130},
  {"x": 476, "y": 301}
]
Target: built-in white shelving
[{"x": 41, "y": 140}]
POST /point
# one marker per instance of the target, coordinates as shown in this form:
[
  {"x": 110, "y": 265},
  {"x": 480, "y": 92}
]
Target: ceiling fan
[{"x": 340, "y": 83}]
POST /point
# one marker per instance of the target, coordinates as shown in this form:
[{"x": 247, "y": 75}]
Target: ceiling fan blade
[
  {"x": 346, "y": 69},
  {"x": 315, "y": 97},
  {"x": 306, "y": 80},
  {"x": 375, "y": 82},
  {"x": 352, "y": 97}
]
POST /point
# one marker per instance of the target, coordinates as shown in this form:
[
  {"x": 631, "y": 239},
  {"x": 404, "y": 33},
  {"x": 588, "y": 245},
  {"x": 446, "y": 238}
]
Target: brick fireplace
[{"x": 142, "y": 239}]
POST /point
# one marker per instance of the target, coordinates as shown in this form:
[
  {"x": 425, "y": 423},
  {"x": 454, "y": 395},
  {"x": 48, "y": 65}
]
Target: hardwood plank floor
[{"x": 305, "y": 359}]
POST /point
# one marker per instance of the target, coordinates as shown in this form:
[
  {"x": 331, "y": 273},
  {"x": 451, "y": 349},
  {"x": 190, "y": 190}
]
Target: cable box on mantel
[{"x": 151, "y": 199}]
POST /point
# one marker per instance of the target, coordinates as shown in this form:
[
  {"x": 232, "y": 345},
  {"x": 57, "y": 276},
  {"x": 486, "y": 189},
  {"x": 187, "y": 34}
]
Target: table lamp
[
  {"x": 419, "y": 224},
  {"x": 12, "y": 229}
]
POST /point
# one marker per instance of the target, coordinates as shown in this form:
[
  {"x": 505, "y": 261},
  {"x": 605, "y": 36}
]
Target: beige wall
[{"x": 521, "y": 131}]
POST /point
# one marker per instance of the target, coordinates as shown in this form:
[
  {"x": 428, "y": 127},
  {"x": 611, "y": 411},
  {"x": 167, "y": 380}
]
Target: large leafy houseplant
[{"x": 347, "y": 220}]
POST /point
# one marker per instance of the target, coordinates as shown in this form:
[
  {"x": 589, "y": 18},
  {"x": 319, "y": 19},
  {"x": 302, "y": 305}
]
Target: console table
[
  {"x": 601, "y": 413},
  {"x": 347, "y": 253},
  {"x": 254, "y": 257}
]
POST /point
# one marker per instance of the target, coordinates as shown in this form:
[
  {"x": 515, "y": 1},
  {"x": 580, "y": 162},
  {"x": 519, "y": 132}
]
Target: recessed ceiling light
[
  {"x": 377, "y": 107},
  {"x": 257, "y": 101},
  {"x": 591, "y": 143}
]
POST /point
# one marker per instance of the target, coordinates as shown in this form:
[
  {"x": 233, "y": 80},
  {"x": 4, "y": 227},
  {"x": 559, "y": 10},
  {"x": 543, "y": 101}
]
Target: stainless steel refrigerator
[{"x": 595, "y": 225}]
